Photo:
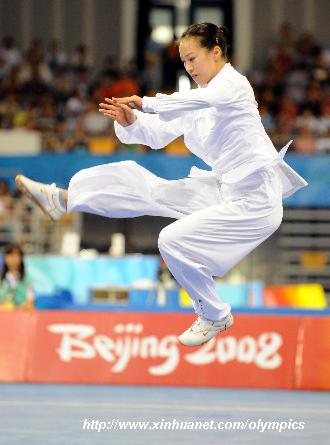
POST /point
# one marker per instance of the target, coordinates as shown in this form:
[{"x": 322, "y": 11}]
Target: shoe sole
[
  {"x": 206, "y": 341},
  {"x": 195, "y": 346},
  {"x": 22, "y": 188}
]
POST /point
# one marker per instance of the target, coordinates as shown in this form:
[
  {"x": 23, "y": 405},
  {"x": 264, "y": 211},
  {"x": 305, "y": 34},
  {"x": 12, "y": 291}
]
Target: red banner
[
  {"x": 313, "y": 351},
  {"x": 259, "y": 351},
  {"x": 16, "y": 336}
]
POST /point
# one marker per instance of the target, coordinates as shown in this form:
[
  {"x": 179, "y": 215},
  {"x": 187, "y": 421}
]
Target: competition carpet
[{"x": 56, "y": 414}]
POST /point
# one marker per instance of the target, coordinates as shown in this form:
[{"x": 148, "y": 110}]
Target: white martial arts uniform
[{"x": 222, "y": 214}]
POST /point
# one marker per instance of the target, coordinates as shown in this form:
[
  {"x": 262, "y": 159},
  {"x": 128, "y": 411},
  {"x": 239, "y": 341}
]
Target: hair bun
[{"x": 223, "y": 32}]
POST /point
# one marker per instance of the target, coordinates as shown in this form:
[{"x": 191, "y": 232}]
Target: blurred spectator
[
  {"x": 55, "y": 56},
  {"x": 83, "y": 79},
  {"x": 307, "y": 120},
  {"x": 152, "y": 72},
  {"x": 171, "y": 65},
  {"x": 62, "y": 139},
  {"x": 81, "y": 60},
  {"x": 267, "y": 118},
  {"x": 93, "y": 123},
  {"x": 288, "y": 108},
  {"x": 125, "y": 85},
  {"x": 9, "y": 53},
  {"x": 104, "y": 88},
  {"x": 9, "y": 107},
  {"x": 287, "y": 39},
  {"x": 63, "y": 87},
  {"x": 9, "y": 84},
  {"x": 15, "y": 287},
  {"x": 4, "y": 67},
  {"x": 296, "y": 84},
  {"x": 324, "y": 121},
  {"x": 33, "y": 68},
  {"x": 268, "y": 100},
  {"x": 10, "y": 213},
  {"x": 6, "y": 202},
  {"x": 307, "y": 49},
  {"x": 314, "y": 97},
  {"x": 284, "y": 129},
  {"x": 304, "y": 142},
  {"x": 48, "y": 116},
  {"x": 74, "y": 107},
  {"x": 110, "y": 67}
]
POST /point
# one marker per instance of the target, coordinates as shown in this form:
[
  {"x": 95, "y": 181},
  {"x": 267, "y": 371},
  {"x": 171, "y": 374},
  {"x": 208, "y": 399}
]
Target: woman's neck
[{"x": 219, "y": 68}]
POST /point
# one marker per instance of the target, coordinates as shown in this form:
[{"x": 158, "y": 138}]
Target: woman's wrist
[{"x": 148, "y": 104}]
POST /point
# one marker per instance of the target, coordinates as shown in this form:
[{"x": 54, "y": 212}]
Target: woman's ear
[{"x": 217, "y": 52}]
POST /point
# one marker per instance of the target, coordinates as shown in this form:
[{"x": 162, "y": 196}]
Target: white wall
[
  {"x": 19, "y": 142},
  {"x": 109, "y": 26},
  {"x": 95, "y": 22}
]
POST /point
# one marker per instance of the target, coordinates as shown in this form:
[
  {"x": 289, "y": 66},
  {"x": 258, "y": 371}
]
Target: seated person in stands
[
  {"x": 15, "y": 289},
  {"x": 6, "y": 202}
]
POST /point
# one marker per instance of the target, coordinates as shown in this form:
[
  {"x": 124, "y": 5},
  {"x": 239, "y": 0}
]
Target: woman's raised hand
[
  {"x": 131, "y": 101},
  {"x": 119, "y": 112}
]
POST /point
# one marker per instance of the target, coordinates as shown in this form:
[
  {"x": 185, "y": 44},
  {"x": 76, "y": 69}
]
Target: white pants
[{"x": 217, "y": 225}]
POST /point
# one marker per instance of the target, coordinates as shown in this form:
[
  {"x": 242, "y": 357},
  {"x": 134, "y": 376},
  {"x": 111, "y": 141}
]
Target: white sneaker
[
  {"x": 44, "y": 195},
  {"x": 202, "y": 330}
]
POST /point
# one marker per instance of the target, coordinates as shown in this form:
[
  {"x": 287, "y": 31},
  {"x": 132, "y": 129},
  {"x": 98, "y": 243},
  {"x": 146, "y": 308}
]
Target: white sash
[{"x": 291, "y": 180}]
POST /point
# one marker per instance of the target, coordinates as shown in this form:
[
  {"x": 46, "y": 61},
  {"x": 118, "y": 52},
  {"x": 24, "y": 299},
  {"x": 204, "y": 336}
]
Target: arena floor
[{"x": 55, "y": 414}]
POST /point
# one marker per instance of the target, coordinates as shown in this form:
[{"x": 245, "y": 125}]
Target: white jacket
[{"x": 221, "y": 125}]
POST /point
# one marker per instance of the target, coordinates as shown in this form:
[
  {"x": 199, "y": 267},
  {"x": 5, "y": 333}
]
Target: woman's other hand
[{"x": 119, "y": 112}]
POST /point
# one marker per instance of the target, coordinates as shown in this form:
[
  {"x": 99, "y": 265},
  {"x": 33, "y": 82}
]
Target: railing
[
  {"x": 305, "y": 247},
  {"x": 21, "y": 222}
]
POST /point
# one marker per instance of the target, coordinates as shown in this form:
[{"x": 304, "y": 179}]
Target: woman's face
[
  {"x": 13, "y": 260},
  {"x": 202, "y": 64}
]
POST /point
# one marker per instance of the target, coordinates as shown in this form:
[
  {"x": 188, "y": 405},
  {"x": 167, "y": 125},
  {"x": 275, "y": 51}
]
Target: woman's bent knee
[{"x": 166, "y": 238}]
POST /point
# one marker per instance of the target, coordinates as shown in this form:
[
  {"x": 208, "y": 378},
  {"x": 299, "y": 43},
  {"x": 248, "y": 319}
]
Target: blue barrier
[
  {"x": 49, "y": 273},
  {"x": 60, "y": 168}
]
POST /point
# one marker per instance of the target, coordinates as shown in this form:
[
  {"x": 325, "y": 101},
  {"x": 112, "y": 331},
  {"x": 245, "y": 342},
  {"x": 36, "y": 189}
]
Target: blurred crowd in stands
[
  {"x": 48, "y": 90},
  {"x": 43, "y": 89},
  {"x": 293, "y": 91}
]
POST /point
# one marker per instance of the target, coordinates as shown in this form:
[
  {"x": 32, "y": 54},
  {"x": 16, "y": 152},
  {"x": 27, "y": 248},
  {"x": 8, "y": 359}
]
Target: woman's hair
[
  {"x": 10, "y": 248},
  {"x": 209, "y": 35}
]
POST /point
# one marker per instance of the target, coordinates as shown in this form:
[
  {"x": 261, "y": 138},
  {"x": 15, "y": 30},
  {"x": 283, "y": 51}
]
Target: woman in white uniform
[{"x": 222, "y": 214}]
